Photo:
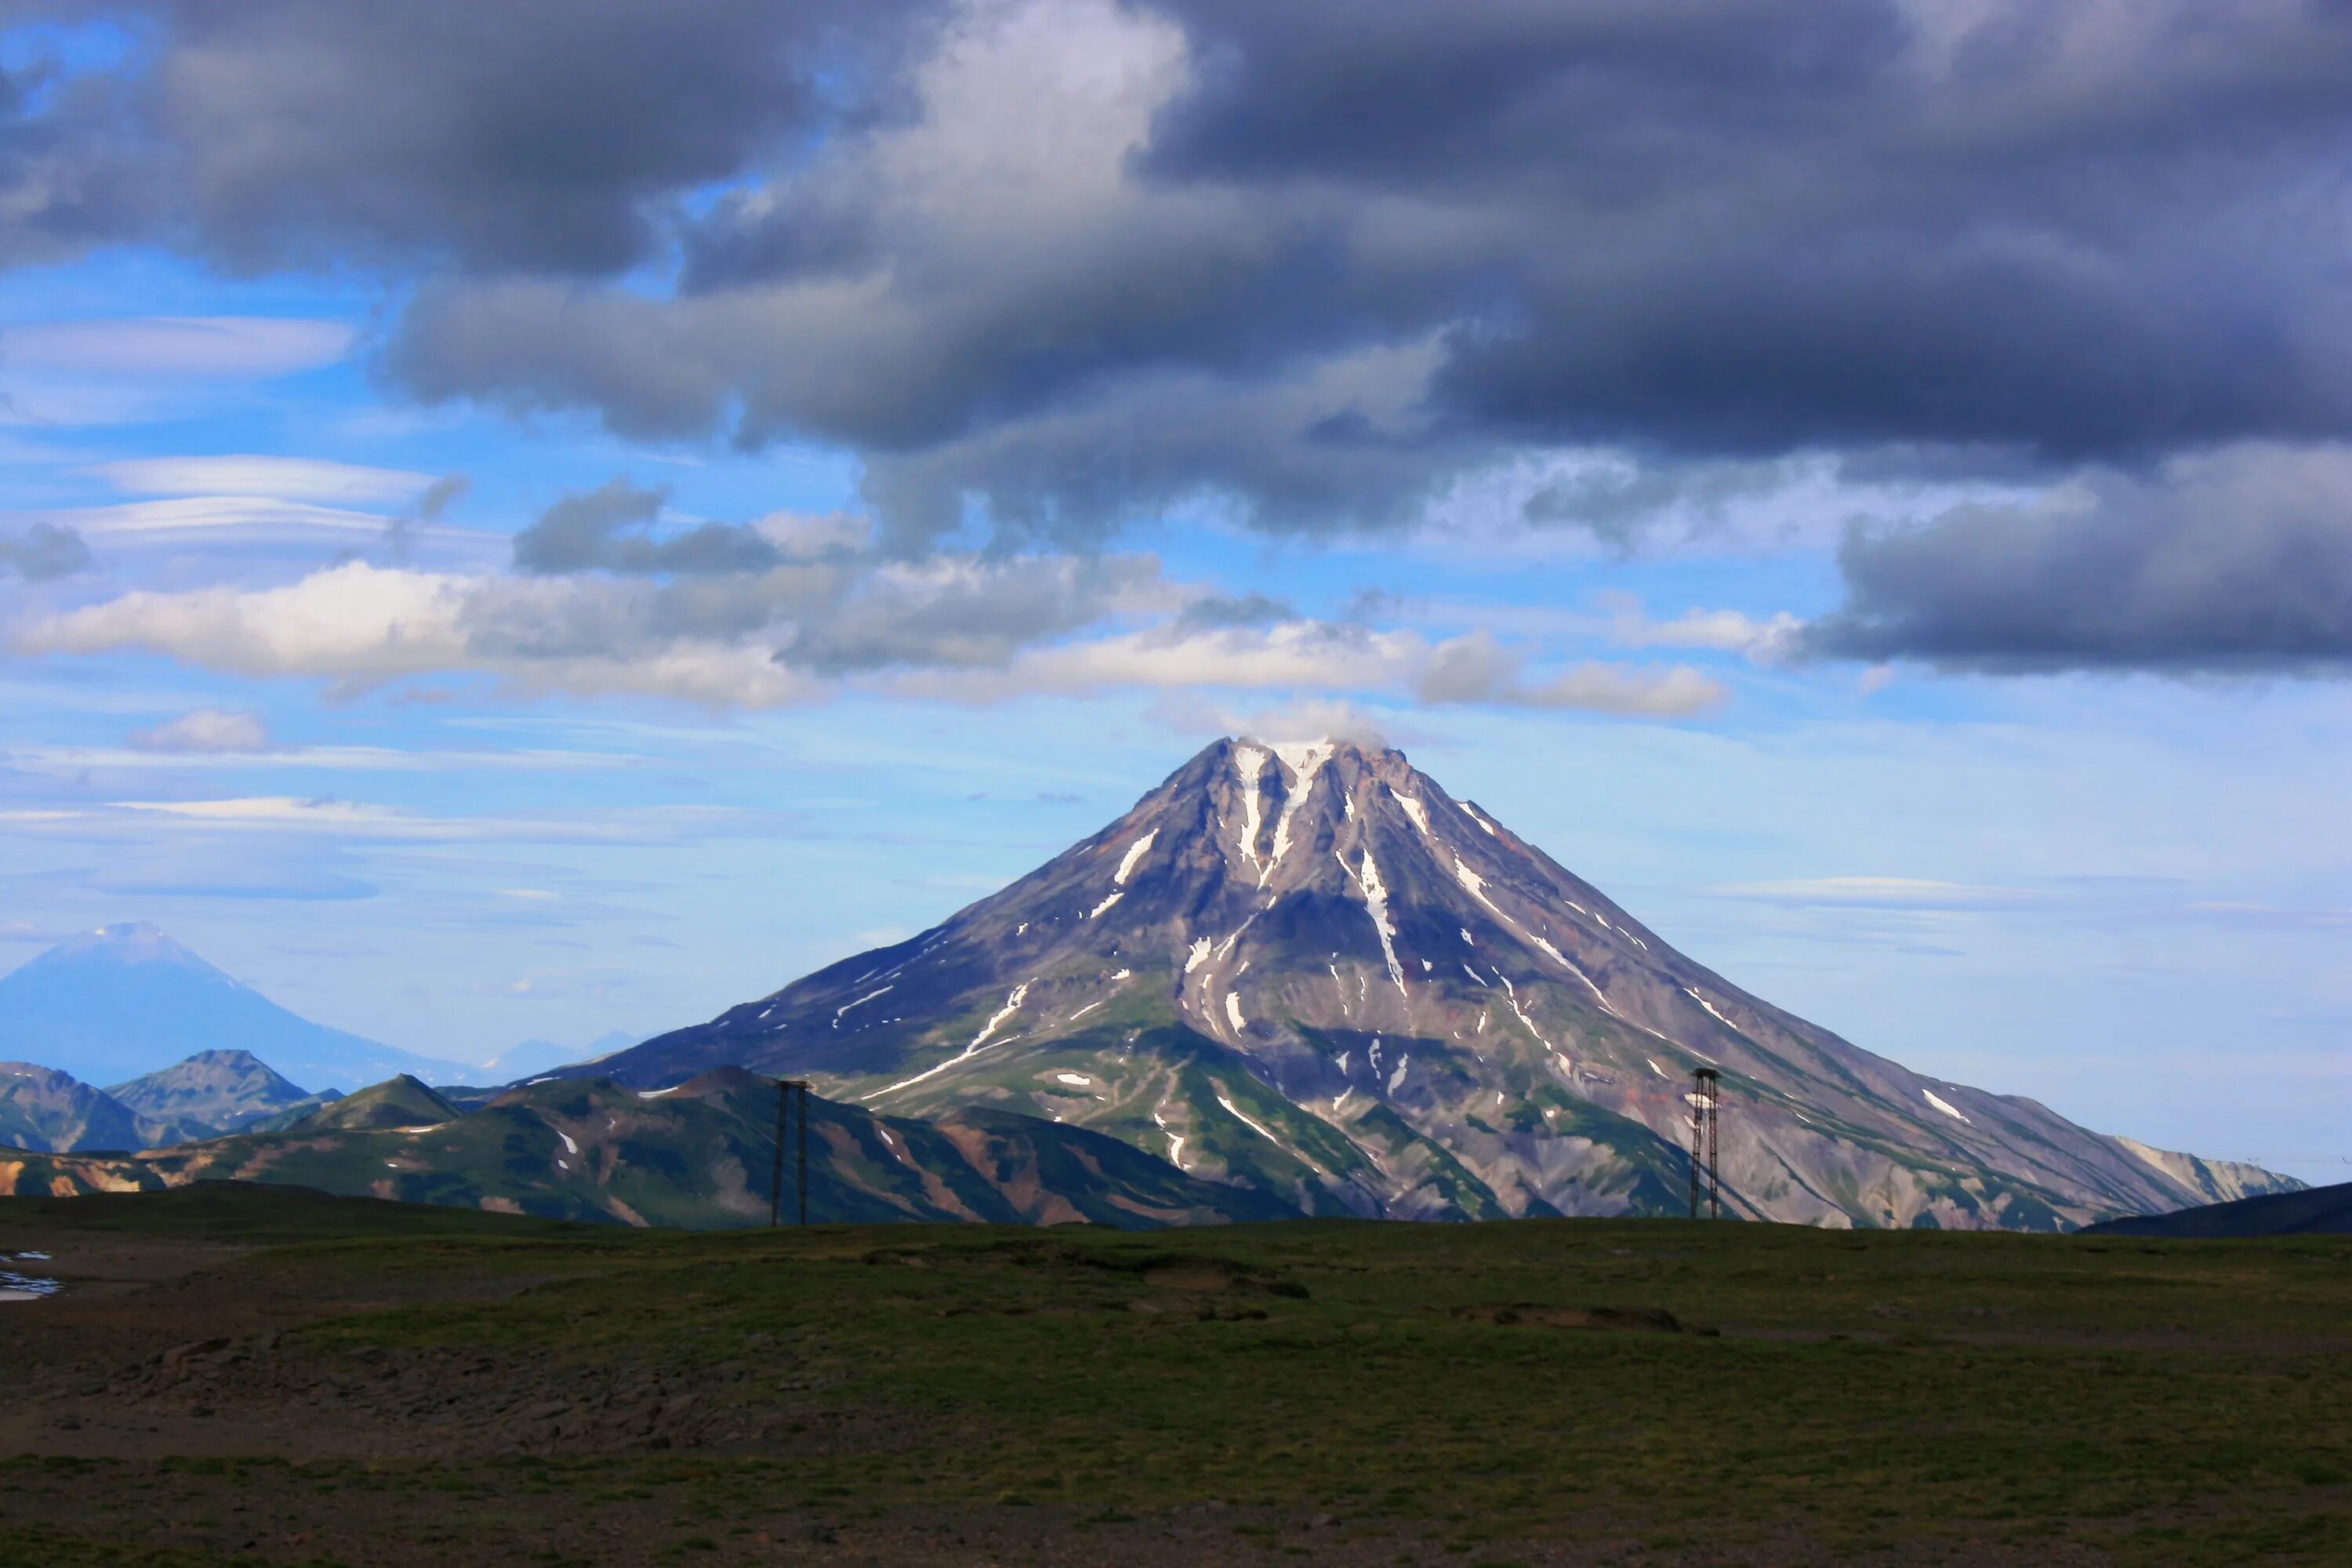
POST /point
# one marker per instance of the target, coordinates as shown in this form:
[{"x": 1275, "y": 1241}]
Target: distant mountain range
[
  {"x": 699, "y": 1154},
  {"x": 127, "y": 1000},
  {"x": 210, "y": 1094},
  {"x": 1310, "y": 971},
  {"x": 531, "y": 1057}
]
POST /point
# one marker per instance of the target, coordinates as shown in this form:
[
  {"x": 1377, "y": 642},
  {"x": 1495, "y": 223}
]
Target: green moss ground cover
[{"x": 1863, "y": 1396}]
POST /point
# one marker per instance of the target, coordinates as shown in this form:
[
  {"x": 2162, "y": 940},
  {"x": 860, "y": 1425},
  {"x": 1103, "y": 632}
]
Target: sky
[{"x": 537, "y": 520}]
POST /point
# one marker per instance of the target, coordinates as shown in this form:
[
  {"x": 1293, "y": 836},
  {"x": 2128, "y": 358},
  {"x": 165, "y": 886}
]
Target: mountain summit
[{"x": 1308, "y": 970}]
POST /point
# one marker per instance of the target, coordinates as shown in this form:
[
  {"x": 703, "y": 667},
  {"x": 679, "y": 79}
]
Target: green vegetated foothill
[{"x": 1531, "y": 1391}]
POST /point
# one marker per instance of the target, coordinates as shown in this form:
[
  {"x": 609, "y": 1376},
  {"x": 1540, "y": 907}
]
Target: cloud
[
  {"x": 239, "y": 347},
  {"x": 1307, "y": 721},
  {"x": 401, "y": 533},
  {"x": 222, "y": 517},
  {"x": 207, "y": 729},
  {"x": 1101, "y": 261},
  {"x": 959, "y": 613},
  {"x": 260, "y": 819},
  {"x": 1728, "y": 631},
  {"x": 954, "y": 628},
  {"x": 1880, "y": 892},
  {"x": 75, "y": 760},
  {"x": 441, "y": 495},
  {"x": 1220, "y": 610},
  {"x": 290, "y": 479},
  {"x": 43, "y": 552},
  {"x": 1052, "y": 266},
  {"x": 1477, "y": 668},
  {"x": 361, "y": 625},
  {"x": 550, "y": 135},
  {"x": 2236, "y": 559},
  {"x": 606, "y": 530}
]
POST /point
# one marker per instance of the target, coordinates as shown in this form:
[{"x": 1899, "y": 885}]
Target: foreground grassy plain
[{"x": 246, "y": 1376}]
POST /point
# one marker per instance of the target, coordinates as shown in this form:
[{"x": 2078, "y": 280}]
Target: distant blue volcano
[{"x": 126, "y": 1000}]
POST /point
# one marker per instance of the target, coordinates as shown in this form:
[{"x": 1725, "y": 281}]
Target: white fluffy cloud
[
  {"x": 964, "y": 628},
  {"x": 1479, "y": 668}
]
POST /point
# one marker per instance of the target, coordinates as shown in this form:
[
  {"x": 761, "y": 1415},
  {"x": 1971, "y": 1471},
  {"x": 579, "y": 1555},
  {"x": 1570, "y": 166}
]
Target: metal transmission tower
[
  {"x": 1707, "y": 1104},
  {"x": 787, "y": 1090}
]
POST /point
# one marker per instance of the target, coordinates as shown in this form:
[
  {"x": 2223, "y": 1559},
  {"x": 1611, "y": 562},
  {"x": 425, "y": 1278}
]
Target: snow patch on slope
[
  {"x": 1305, "y": 763},
  {"x": 1710, "y": 1007},
  {"x": 995, "y": 1022},
  {"x": 1419, "y": 813},
  {"x": 1476, "y": 885},
  {"x": 1175, "y": 1140},
  {"x": 1376, "y": 904},
  {"x": 1946, "y": 1106},
  {"x": 861, "y": 1002},
  {"x": 1236, "y": 1111},
  {"x": 1248, "y": 764},
  {"x": 1135, "y": 851}
]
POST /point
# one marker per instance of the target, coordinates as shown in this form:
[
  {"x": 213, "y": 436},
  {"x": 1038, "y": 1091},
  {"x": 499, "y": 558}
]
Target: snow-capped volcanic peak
[
  {"x": 1251, "y": 863},
  {"x": 1418, "y": 1006}
]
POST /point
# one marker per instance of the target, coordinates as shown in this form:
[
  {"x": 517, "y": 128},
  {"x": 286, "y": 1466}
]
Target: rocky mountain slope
[
  {"x": 697, "y": 1155},
  {"x": 1310, "y": 971},
  {"x": 2214, "y": 1181},
  {"x": 126, "y": 1000},
  {"x": 400, "y": 1101},
  {"x": 211, "y": 1093},
  {"x": 41, "y": 1108}
]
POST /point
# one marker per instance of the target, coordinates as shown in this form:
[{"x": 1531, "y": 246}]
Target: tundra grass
[{"x": 1471, "y": 1389}]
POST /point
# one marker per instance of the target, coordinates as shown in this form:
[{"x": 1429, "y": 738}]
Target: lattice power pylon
[
  {"x": 1706, "y": 1105},
  {"x": 787, "y": 1090}
]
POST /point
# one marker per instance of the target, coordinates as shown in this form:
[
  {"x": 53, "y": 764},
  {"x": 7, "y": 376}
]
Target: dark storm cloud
[
  {"x": 1694, "y": 226},
  {"x": 1721, "y": 227},
  {"x": 43, "y": 552},
  {"x": 533, "y": 135},
  {"x": 1059, "y": 263},
  {"x": 2237, "y": 560},
  {"x": 608, "y": 529},
  {"x": 1699, "y": 228},
  {"x": 73, "y": 174}
]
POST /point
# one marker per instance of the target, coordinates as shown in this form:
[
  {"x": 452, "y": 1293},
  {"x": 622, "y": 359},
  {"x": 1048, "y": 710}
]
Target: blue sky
[{"x": 320, "y": 691}]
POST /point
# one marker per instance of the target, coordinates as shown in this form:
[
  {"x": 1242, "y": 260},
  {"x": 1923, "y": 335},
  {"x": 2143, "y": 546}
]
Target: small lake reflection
[{"x": 15, "y": 1287}]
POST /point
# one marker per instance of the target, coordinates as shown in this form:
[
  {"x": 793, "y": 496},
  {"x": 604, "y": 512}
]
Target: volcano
[{"x": 1308, "y": 971}]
